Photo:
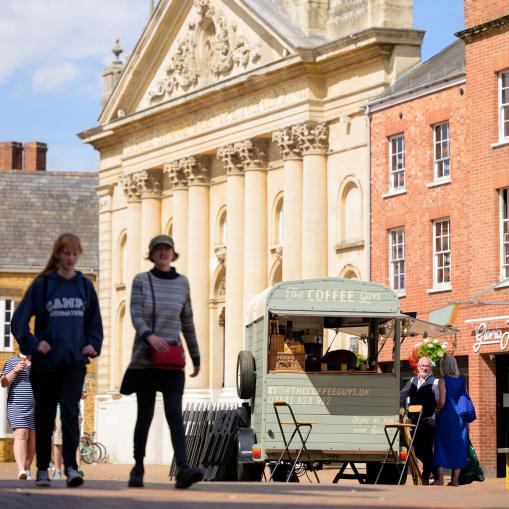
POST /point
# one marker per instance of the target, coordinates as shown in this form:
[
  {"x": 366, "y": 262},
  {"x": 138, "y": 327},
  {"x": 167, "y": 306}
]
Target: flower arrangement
[
  {"x": 361, "y": 359},
  {"x": 431, "y": 348}
]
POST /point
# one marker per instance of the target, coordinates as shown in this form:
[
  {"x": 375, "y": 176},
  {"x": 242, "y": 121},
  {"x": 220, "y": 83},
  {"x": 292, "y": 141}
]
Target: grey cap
[{"x": 161, "y": 239}]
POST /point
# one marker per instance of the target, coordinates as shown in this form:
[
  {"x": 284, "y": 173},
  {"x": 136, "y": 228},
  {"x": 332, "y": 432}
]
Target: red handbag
[{"x": 174, "y": 357}]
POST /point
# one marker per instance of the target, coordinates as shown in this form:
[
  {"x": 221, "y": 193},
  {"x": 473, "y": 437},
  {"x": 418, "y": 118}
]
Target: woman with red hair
[{"x": 68, "y": 331}]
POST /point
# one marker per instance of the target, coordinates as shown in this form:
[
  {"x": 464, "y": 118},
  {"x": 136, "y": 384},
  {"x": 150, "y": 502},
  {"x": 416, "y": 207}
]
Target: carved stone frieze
[
  {"x": 197, "y": 169},
  {"x": 132, "y": 186},
  {"x": 211, "y": 46},
  {"x": 176, "y": 173},
  {"x": 313, "y": 137},
  {"x": 151, "y": 183},
  {"x": 230, "y": 157},
  {"x": 288, "y": 142}
]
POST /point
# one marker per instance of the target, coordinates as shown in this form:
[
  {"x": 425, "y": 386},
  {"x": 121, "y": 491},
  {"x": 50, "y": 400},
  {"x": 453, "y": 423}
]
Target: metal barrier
[{"x": 211, "y": 431}]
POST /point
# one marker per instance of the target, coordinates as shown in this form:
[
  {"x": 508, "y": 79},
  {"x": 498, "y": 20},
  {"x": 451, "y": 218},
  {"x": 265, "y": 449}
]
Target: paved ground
[{"x": 105, "y": 487}]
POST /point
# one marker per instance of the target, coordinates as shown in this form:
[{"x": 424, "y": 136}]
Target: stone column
[
  {"x": 178, "y": 181},
  {"x": 105, "y": 366},
  {"x": 253, "y": 157},
  {"x": 197, "y": 171},
  {"x": 151, "y": 187},
  {"x": 234, "y": 309},
  {"x": 287, "y": 140},
  {"x": 314, "y": 143},
  {"x": 132, "y": 190}
]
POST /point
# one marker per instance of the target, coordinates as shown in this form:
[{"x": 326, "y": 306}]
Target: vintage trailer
[{"x": 347, "y": 397}]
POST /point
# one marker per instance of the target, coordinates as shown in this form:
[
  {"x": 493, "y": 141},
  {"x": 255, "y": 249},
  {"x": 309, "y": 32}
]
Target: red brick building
[{"x": 440, "y": 211}]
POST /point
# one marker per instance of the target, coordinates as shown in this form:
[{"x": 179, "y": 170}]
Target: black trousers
[
  {"x": 423, "y": 446},
  {"x": 62, "y": 386},
  {"x": 171, "y": 385}
]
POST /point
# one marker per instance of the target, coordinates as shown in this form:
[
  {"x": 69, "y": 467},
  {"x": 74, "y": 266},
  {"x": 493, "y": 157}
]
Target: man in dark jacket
[{"x": 423, "y": 390}]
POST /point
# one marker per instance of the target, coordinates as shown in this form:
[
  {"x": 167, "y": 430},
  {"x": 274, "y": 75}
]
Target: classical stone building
[
  {"x": 237, "y": 127},
  {"x": 36, "y": 206}
]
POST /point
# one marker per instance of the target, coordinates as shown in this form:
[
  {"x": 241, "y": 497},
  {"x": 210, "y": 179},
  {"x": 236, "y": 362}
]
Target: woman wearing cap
[{"x": 160, "y": 310}]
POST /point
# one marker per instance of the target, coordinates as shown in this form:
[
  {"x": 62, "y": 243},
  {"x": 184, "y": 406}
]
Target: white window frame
[
  {"x": 504, "y": 233},
  {"x": 441, "y": 152},
  {"x": 397, "y": 263},
  {"x": 4, "y": 320},
  {"x": 503, "y": 107},
  {"x": 397, "y": 167},
  {"x": 439, "y": 254}
]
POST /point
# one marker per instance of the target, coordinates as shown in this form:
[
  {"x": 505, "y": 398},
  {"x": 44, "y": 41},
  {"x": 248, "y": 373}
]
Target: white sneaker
[
  {"x": 22, "y": 476},
  {"x": 29, "y": 475},
  {"x": 57, "y": 475}
]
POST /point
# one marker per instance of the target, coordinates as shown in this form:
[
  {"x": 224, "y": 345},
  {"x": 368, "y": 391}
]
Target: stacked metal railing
[{"x": 211, "y": 431}]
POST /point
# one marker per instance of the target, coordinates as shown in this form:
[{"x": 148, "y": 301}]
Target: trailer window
[{"x": 300, "y": 343}]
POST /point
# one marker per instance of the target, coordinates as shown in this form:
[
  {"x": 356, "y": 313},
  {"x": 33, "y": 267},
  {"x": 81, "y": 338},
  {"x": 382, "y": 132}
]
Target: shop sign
[{"x": 484, "y": 335}]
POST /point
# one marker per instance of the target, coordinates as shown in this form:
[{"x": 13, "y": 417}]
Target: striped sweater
[{"x": 173, "y": 315}]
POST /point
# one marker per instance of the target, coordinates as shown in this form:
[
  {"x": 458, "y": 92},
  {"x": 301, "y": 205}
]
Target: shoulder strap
[{"x": 153, "y": 302}]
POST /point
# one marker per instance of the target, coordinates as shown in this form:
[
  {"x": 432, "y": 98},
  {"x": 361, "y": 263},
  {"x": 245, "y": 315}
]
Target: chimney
[
  {"x": 11, "y": 155},
  {"x": 35, "y": 156}
]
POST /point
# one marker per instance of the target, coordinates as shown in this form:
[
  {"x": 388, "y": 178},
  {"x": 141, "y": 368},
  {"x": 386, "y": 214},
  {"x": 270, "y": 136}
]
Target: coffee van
[{"x": 315, "y": 344}]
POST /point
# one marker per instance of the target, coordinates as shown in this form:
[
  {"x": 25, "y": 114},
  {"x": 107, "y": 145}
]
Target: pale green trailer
[{"x": 348, "y": 404}]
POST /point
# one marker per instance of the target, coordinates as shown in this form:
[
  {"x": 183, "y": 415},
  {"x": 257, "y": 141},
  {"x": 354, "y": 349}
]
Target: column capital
[
  {"x": 253, "y": 154},
  {"x": 197, "y": 170},
  {"x": 313, "y": 137},
  {"x": 151, "y": 183},
  {"x": 288, "y": 142},
  {"x": 175, "y": 171},
  {"x": 229, "y": 155},
  {"x": 131, "y": 184}
]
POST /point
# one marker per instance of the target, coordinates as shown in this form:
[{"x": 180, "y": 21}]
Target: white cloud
[
  {"x": 53, "y": 76},
  {"x": 54, "y": 41}
]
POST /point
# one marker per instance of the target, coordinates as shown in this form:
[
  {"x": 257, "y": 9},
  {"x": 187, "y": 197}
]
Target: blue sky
[{"x": 54, "y": 51}]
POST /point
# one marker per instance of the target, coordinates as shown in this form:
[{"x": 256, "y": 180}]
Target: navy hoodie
[{"x": 66, "y": 315}]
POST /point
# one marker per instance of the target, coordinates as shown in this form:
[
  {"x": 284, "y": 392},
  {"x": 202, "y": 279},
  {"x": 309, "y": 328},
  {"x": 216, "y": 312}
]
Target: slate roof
[
  {"x": 36, "y": 207},
  {"x": 447, "y": 64}
]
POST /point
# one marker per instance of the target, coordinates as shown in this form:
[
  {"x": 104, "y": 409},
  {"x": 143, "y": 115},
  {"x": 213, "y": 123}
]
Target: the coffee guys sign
[{"x": 486, "y": 335}]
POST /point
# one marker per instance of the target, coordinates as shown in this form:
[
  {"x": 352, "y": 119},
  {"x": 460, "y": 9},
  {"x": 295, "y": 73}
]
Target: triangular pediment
[{"x": 190, "y": 45}]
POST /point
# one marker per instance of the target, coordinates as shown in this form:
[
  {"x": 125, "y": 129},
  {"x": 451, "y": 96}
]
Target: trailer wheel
[
  {"x": 250, "y": 472},
  {"x": 246, "y": 375}
]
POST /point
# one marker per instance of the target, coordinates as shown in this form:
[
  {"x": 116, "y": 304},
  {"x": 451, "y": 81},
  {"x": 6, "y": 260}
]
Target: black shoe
[
  {"x": 42, "y": 478},
  {"x": 74, "y": 479},
  {"x": 187, "y": 476},
  {"x": 136, "y": 477}
]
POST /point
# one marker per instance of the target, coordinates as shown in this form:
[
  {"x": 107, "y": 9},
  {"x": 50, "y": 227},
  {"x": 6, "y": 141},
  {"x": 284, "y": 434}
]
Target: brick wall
[{"x": 480, "y": 11}]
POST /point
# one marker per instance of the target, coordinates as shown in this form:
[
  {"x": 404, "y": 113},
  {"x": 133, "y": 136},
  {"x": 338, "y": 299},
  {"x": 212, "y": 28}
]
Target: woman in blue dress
[{"x": 451, "y": 432}]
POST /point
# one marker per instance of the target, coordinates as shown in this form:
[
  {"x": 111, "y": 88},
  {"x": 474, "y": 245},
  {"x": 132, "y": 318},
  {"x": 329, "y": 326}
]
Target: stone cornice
[
  {"x": 313, "y": 137},
  {"x": 175, "y": 171},
  {"x": 476, "y": 31},
  {"x": 131, "y": 184},
  {"x": 197, "y": 170},
  {"x": 287, "y": 141},
  {"x": 151, "y": 183}
]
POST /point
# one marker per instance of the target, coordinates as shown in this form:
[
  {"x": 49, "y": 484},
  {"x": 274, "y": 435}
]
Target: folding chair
[
  {"x": 306, "y": 426},
  {"x": 392, "y": 432}
]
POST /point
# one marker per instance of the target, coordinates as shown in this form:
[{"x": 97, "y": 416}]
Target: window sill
[
  {"x": 501, "y": 143},
  {"x": 342, "y": 247},
  {"x": 504, "y": 283},
  {"x": 390, "y": 194},
  {"x": 400, "y": 293},
  {"x": 440, "y": 289},
  {"x": 437, "y": 183}
]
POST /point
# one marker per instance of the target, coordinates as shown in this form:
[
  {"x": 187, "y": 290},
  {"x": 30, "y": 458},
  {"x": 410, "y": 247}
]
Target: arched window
[
  {"x": 222, "y": 227},
  {"x": 350, "y": 216},
  {"x": 276, "y": 273},
  {"x": 279, "y": 221},
  {"x": 350, "y": 272},
  {"x": 122, "y": 259}
]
